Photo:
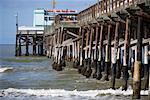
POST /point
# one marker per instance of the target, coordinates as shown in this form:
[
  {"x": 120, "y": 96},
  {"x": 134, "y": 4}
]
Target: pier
[
  {"x": 106, "y": 41},
  {"x": 31, "y": 38}
]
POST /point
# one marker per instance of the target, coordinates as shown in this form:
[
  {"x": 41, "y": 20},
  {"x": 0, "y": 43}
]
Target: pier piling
[
  {"x": 107, "y": 57},
  {"x": 109, "y": 39},
  {"x": 137, "y": 65}
]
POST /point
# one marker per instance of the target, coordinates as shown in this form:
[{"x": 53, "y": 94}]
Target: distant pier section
[{"x": 29, "y": 39}]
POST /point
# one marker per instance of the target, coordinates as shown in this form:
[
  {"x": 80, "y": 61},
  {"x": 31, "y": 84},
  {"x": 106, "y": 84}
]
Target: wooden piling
[
  {"x": 107, "y": 57},
  {"x": 16, "y": 48},
  {"x": 41, "y": 54},
  {"x": 27, "y": 46},
  {"x": 99, "y": 69},
  {"x": 126, "y": 54},
  {"x": 38, "y": 49},
  {"x": 96, "y": 53},
  {"x": 34, "y": 45},
  {"x": 137, "y": 64},
  {"x": 86, "y": 53},
  {"x": 114, "y": 55},
  {"x": 81, "y": 50},
  {"x": 19, "y": 45},
  {"x": 149, "y": 86},
  {"x": 146, "y": 66},
  {"x": 89, "y": 70}
]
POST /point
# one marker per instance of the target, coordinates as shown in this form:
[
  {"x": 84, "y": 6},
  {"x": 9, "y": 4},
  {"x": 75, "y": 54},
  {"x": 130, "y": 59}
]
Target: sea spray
[{"x": 5, "y": 69}]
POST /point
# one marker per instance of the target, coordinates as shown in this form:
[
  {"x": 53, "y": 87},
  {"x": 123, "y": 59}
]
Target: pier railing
[{"x": 106, "y": 7}]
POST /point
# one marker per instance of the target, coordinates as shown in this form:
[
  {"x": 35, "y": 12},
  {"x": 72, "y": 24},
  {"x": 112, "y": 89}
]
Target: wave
[
  {"x": 5, "y": 69},
  {"x": 66, "y": 93}
]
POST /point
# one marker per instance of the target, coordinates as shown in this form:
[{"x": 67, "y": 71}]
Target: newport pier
[{"x": 109, "y": 40}]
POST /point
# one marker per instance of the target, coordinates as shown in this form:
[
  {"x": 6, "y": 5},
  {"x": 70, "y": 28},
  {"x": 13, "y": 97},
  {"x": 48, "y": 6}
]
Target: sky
[{"x": 9, "y": 8}]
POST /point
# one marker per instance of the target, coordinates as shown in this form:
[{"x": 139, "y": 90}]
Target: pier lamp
[
  {"x": 16, "y": 22},
  {"x": 16, "y": 15}
]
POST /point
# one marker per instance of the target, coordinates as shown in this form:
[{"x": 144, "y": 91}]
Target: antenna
[{"x": 53, "y": 4}]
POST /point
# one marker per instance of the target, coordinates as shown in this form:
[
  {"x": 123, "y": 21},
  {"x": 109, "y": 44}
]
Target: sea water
[{"x": 32, "y": 78}]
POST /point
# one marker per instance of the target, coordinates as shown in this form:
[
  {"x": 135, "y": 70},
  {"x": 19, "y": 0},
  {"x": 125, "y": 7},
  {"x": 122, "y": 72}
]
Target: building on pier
[
  {"x": 42, "y": 18},
  {"x": 31, "y": 38}
]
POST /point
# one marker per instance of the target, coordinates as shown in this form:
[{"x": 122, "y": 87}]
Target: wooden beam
[{"x": 73, "y": 34}]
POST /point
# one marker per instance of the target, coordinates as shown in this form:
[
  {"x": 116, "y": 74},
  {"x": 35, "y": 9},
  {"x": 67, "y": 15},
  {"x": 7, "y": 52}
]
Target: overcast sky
[{"x": 8, "y": 9}]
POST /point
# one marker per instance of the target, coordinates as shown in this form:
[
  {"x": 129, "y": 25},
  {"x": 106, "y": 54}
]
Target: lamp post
[
  {"x": 16, "y": 23},
  {"x": 16, "y": 54}
]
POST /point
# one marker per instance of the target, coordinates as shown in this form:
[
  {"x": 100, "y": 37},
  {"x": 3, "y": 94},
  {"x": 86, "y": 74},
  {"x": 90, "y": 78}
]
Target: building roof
[{"x": 30, "y": 28}]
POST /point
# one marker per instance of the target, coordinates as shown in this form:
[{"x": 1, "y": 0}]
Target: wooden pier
[
  {"x": 30, "y": 38},
  {"x": 105, "y": 41}
]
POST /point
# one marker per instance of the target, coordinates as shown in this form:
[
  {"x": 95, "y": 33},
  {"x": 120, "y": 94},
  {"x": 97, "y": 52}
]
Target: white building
[{"x": 42, "y": 18}]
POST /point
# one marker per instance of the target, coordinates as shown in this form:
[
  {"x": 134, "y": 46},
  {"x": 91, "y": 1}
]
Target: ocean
[{"x": 32, "y": 78}]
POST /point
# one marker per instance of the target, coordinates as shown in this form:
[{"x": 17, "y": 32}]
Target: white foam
[
  {"x": 5, "y": 69},
  {"x": 65, "y": 93}
]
